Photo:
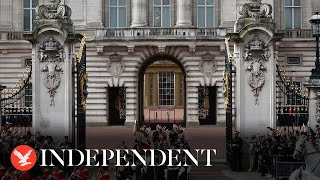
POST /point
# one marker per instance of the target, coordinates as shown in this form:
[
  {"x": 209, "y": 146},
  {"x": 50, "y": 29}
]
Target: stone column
[
  {"x": 139, "y": 13},
  {"x": 184, "y": 13},
  {"x": 314, "y": 102},
  {"x": 6, "y": 15},
  {"x": 53, "y": 42}
]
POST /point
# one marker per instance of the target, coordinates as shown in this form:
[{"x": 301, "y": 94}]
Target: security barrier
[{"x": 285, "y": 165}]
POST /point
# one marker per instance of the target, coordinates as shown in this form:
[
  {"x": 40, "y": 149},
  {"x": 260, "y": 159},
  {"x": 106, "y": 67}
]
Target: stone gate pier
[
  {"x": 255, "y": 52},
  {"x": 52, "y": 42}
]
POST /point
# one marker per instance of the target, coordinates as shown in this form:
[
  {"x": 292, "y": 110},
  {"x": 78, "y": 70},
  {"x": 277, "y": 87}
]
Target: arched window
[{"x": 29, "y": 13}]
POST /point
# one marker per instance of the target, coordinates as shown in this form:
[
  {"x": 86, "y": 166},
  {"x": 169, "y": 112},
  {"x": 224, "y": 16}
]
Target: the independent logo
[{"x": 23, "y": 158}]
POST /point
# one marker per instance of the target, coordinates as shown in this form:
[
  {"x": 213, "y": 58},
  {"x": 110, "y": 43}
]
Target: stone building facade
[{"x": 124, "y": 37}]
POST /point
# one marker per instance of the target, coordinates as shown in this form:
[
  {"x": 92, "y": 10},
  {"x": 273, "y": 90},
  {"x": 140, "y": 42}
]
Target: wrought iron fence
[
  {"x": 292, "y": 103},
  {"x": 16, "y": 106}
]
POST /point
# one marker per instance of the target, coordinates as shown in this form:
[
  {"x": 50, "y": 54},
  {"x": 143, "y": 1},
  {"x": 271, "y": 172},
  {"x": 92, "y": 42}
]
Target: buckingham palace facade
[{"x": 160, "y": 61}]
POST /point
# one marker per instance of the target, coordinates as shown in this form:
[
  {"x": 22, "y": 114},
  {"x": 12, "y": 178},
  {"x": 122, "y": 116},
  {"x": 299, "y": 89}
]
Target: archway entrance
[{"x": 162, "y": 92}]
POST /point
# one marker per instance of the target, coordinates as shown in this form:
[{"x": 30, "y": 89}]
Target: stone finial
[
  {"x": 52, "y": 9},
  {"x": 255, "y": 9}
]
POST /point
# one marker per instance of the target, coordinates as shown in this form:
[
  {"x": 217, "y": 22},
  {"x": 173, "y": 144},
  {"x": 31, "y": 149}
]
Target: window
[
  {"x": 151, "y": 89},
  {"x": 28, "y": 62},
  {"x": 28, "y": 90},
  {"x": 292, "y": 14},
  {"x": 206, "y": 13},
  {"x": 293, "y": 60},
  {"x": 166, "y": 88},
  {"x": 161, "y": 13},
  {"x": 29, "y": 13},
  {"x": 118, "y": 13}
]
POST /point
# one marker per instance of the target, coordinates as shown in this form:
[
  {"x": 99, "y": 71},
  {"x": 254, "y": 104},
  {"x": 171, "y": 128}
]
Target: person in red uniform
[
  {"x": 57, "y": 173},
  {"x": 102, "y": 174},
  {"x": 3, "y": 171},
  {"x": 82, "y": 173},
  {"x": 25, "y": 176}
]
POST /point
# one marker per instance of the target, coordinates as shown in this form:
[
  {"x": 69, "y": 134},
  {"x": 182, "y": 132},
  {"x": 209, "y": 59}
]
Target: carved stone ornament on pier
[
  {"x": 115, "y": 65},
  {"x": 207, "y": 64},
  {"x": 52, "y": 9},
  {"x": 255, "y": 9},
  {"x": 51, "y": 53},
  {"x": 256, "y": 53}
]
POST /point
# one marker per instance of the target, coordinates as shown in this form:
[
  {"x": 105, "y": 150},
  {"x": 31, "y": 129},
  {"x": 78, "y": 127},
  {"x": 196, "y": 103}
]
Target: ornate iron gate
[
  {"x": 117, "y": 105},
  {"x": 16, "y": 105},
  {"x": 82, "y": 78},
  {"x": 207, "y": 105},
  {"x": 227, "y": 77},
  {"x": 292, "y": 102}
]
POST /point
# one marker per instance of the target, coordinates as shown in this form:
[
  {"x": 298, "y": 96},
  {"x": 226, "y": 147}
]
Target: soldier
[
  {"x": 102, "y": 174},
  {"x": 236, "y": 151}
]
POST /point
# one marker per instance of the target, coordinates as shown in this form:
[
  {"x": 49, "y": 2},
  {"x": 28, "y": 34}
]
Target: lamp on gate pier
[
  {"x": 315, "y": 24},
  {"x": 1, "y": 88}
]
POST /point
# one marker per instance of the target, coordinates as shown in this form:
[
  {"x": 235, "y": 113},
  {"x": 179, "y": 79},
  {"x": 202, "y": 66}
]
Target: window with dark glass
[
  {"x": 118, "y": 13},
  {"x": 206, "y": 13},
  {"x": 161, "y": 13},
  {"x": 29, "y": 13},
  {"x": 166, "y": 88},
  {"x": 293, "y": 60},
  {"x": 292, "y": 14}
]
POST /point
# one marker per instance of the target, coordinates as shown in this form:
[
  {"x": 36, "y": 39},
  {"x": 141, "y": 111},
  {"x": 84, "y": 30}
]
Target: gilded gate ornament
[
  {"x": 256, "y": 53},
  {"x": 51, "y": 53}
]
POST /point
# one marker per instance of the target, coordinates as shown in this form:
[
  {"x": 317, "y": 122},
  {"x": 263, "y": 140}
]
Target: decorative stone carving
[
  {"x": 116, "y": 65},
  {"x": 254, "y": 9},
  {"x": 51, "y": 53},
  {"x": 207, "y": 64},
  {"x": 52, "y": 9},
  {"x": 318, "y": 107},
  {"x": 256, "y": 53}
]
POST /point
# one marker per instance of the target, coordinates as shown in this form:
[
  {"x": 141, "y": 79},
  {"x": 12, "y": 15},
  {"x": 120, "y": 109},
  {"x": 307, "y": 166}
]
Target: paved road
[
  {"x": 199, "y": 138},
  {"x": 204, "y": 137}
]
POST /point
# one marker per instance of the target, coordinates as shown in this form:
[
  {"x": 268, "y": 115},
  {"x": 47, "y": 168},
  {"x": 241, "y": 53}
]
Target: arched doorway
[{"x": 162, "y": 91}]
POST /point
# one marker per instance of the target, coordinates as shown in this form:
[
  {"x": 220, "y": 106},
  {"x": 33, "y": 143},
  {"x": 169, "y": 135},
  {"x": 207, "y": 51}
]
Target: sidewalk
[{"x": 244, "y": 175}]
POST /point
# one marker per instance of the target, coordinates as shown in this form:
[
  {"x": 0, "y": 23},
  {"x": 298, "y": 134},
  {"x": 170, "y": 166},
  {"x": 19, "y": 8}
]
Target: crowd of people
[
  {"x": 12, "y": 137},
  {"x": 161, "y": 138},
  {"x": 279, "y": 145}
]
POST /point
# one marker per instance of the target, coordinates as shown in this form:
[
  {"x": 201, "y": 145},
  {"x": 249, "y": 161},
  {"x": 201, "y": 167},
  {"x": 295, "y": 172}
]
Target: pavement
[{"x": 199, "y": 138}]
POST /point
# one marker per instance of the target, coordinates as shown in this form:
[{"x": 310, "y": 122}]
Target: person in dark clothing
[{"x": 236, "y": 152}]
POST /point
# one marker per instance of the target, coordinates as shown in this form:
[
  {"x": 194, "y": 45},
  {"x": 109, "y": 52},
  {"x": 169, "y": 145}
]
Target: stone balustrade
[
  {"x": 175, "y": 33},
  {"x": 13, "y": 35},
  {"x": 296, "y": 33}
]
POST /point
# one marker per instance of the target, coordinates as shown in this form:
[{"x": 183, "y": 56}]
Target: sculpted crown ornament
[
  {"x": 256, "y": 53},
  {"x": 255, "y": 44},
  {"x": 51, "y": 53},
  {"x": 255, "y": 9},
  {"x": 52, "y": 9}
]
